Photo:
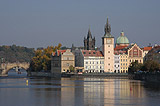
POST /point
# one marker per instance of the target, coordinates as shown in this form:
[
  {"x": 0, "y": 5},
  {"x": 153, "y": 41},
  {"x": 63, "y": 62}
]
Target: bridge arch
[{"x": 7, "y": 66}]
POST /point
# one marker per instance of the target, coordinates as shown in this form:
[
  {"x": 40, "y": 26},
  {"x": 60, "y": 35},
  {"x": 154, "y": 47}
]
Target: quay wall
[{"x": 148, "y": 77}]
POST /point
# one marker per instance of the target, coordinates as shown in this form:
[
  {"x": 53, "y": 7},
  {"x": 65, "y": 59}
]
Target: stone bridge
[{"x": 5, "y": 67}]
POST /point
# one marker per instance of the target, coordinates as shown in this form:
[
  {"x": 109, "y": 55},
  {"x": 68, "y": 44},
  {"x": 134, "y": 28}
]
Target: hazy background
[{"x": 39, "y": 23}]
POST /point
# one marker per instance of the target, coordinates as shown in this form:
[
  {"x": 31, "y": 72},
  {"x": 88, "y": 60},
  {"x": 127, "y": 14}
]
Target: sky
[{"x": 42, "y": 23}]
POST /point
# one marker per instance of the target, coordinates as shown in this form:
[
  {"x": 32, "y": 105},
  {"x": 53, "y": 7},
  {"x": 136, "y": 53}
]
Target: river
[{"x": 15, "y": 91}]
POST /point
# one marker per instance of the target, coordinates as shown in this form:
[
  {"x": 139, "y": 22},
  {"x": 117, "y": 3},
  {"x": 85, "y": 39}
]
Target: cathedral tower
[
  {"x": 89, "y": 43},
  {"x": 108, "y": 48}
]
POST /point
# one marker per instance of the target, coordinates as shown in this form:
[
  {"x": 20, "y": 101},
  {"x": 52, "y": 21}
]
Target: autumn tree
[{"x": 42, "y": 58}]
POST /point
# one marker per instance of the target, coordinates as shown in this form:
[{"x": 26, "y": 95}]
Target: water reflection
[{"x": 77, "y": 92}]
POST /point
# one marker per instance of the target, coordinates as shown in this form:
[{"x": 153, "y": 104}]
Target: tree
[
  {"x": 71, "y": 68},
  {"x": 151, "y": 66},
  {"x": 135, "y": 66},
  {"x": 42, "y": 58}
]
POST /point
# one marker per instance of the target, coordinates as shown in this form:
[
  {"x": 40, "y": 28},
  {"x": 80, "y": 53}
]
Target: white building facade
[
  {"x": 91, "y": 60},
  {"x": 116, "y": 63}
]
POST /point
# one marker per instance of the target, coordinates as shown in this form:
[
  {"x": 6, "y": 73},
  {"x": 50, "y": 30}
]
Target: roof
[
  {"x": 147, "y": 48},
  {"x": 58, "y": 52},
  {"x": 119, "y": 47},
  {"x": 122, "y": 39},
  {"x": 93, "y": 53},
  {"x": 120, "y": 50}
]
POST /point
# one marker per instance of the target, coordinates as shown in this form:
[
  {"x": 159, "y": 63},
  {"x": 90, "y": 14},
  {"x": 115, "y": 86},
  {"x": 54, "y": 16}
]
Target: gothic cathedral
[{"x": 89, "y": 43}]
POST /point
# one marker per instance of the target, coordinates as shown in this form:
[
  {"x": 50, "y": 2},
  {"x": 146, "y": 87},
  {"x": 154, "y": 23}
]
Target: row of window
[
  {"x": 67, "y": 58},
  {"x": 124, "y": 60},
  {"x": 123, "y": 64},
  {"x": 101, "y": 62},
  {"x": 135, "y": 60},
  {"x": 92, "y": 67},
  {"x": 124, "y": 67}
]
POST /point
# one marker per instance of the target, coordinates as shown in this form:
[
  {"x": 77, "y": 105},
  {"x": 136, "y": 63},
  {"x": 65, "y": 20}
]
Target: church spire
[
  {"x": 107, "y": 27},
  {"x": 89, "y": 33}
]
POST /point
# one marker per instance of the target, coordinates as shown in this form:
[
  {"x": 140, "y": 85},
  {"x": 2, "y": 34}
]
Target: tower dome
[{"x": 122, "y": 40}]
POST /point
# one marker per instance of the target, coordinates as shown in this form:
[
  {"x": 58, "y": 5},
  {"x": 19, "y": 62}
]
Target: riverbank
[
  {"x": 85, "y": 75},
  {"x": 97, "y": 75},
  {"x": 147, "y": 77},
  {"x": 4, "y": 75}
]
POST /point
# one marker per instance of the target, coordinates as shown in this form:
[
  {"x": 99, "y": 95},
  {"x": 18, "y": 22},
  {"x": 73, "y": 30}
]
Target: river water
[{"x": 15, "y": 91}]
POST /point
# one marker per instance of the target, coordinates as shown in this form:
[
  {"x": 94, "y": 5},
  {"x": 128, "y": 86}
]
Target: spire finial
[
  {"x": 89, "y": 33},
  {"x": 122, "y": 33},
  {"x": 107, "y": 27}
]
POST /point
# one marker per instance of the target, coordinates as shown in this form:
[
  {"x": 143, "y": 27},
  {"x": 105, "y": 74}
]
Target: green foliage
[
  {"x": 151, "y": 66},
  {"x": 135, "y": 66},
  {"x": 71, "y": 68},
  {"x": 42, "y": 58},
  {"x": 16, "y": 53},
  {"x": 148, "y": 66}
]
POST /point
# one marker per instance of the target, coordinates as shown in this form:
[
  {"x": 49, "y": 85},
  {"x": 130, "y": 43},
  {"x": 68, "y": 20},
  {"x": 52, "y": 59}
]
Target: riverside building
[{"x": 61, "y": 61}]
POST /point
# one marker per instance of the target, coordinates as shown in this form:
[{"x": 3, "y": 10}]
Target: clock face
[{"x": 109, "y": 41}]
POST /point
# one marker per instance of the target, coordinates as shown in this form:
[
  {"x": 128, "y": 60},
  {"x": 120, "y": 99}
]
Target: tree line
[
  {"x": 15, "y": 53},
  {"x": 147, "y": 66}
]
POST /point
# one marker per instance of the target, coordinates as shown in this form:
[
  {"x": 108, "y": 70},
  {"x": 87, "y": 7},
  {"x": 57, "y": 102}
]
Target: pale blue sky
[{"x": 39, "y": 23}]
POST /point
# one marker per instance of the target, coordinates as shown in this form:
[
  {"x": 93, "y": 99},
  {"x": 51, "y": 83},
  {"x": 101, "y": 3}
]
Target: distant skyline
[{"x": 42, "y": 23}]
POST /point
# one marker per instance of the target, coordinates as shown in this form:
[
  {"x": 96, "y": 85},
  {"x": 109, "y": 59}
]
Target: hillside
[{"x": 15, "y": 54}]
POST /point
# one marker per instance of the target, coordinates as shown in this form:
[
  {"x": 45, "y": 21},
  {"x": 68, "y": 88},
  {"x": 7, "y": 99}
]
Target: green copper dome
[{"x": 122, "y": 39}]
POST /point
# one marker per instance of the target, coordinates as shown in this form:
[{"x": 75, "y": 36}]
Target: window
[
  {"x": 108, "y": 45},
  {"x": 67, "y": 64},
  {"x": 126, "y": 59},
  {"x": 86, "y": 62},
  {"x": 89, "y": 52},
  {"x": 93, "y": 62},
  {"x": 94, "y": 53},
  {"x": 84, "y": 52},
  {"x": 108, "y": 57},
  {"x": 97, "y": 62},
  {"x": 108, "y": 51},
  {"x": 108, "y": 64}
]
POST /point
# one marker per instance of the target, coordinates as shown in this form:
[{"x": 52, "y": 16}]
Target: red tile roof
[
  {"x": 147, "y": 48},
  {"x": 58, "y": 52},
  {"x": 120, "y": 50},
  {"x": 92, "y": 53},
  {"x": 119, "y": 47}
]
